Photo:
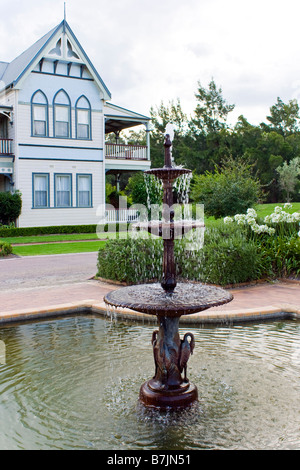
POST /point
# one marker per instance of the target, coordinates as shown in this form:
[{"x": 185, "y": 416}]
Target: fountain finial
[{"x": 168, "y": 156}]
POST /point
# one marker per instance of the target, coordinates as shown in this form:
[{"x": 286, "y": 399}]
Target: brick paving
[{"x": 33, "y": 287}]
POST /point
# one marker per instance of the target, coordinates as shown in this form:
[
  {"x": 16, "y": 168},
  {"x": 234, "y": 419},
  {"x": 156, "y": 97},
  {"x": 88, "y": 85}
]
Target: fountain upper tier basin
[
  {"x": 187, "y": 298},
  {"x": 168, "y": 173}
]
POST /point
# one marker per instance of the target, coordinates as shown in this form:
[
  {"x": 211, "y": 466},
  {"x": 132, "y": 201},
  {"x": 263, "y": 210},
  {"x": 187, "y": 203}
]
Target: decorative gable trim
[{"x": 21, "y": 67}]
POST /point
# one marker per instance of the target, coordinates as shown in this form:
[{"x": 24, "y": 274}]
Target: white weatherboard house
[{"x": 54, "y": 116}]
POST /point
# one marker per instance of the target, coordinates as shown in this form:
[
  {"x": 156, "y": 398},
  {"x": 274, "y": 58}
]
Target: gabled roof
[
  {"x": 11, "y": 73},
  {"x": 3, "y": 67}
]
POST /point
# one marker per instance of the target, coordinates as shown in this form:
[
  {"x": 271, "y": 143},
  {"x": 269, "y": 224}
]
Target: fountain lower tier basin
[
  {"x": 181, "y": 397},
  {"x": 168, "y": 230},
  {"x": 187, "y": 298}
]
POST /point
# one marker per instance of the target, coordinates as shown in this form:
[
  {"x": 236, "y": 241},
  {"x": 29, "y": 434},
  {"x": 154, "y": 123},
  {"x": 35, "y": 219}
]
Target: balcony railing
[
  {"x": 6, "y": 147},
  {"x": 126, "y": 152}
]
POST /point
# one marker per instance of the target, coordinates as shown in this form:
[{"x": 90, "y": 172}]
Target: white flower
[
  {"x": 288, "y": 205},
  {"x": 251, "y": 221},
  {"x": 240, "y": 219},
  {"x": 228, "y": 220},
  {"x": 296, "y": 216},
  {"x": 277, "y": 209},
  {"x": 268, "y": 219},
  {"x": 252, "y": 213},
  {"x": 262, "y": 229},
  {"x": 275, "y": 218}
]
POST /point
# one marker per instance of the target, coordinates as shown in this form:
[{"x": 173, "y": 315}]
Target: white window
[
  {"x": 84, "y": 190},
  {"x": 83, "y": 118},
  {"x": 39, "y": 106},
  {"x": 62, "y": 122},
  {"x": 40, "y": 190},
  {"x": 63, "y": 191},
  {"x": 62, "y": 115}
]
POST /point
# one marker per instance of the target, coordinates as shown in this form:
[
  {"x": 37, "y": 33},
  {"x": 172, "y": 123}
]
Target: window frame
[
  {"x": 45, "y": 106},
  {"x": 70, "y": 176},
  {"x": 34, "y": 205},
  {"x": 78, "y": 175},
  {"x": 69, "y": 108},
  {"x": 89, "y": 110}
]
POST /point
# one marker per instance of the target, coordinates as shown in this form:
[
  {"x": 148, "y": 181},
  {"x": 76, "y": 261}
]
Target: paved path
[
  {"x": 33, "y": 287},
  {"x": 38, "y": 271}
]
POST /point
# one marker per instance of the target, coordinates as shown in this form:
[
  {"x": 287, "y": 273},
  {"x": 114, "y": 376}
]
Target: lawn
[
  {"x": 267, "y": 209},
  {"x": 51, "y": 238},
  {"x": 58, "y": 248},
  {"x": 89, "y": 242}
]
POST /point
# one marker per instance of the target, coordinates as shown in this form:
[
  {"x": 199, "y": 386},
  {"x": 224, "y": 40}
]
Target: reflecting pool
[{"x": 73, "y": 383}]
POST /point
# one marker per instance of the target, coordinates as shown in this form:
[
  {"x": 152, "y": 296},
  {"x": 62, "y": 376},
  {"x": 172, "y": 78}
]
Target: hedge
[
  {"x": 28, "y": 231},
  {"x": 52, "y": 230}
]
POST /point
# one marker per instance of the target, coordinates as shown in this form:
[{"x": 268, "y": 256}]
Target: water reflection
[{"x": 73, "y": 383}]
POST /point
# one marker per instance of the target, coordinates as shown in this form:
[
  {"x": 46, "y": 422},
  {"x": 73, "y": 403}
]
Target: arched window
[
  {"x": 39, "y": 115},
  {"x": 62, "y": 115},
  {"x": 83, "y": 118}
]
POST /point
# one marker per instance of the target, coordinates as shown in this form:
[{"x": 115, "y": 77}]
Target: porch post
[{"x": 148, "y": 139}]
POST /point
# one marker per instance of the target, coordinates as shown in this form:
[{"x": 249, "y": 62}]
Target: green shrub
[
  {"x": 5, "y": 249},
  {"x": 10, "y": 207},
  {"x": 226, "y": 258},
  {"x": 132, "y": 260},
  {"x": 280, "y": 255}
]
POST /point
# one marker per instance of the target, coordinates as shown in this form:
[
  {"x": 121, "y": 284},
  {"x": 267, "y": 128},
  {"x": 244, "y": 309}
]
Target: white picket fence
[{"x": 121, "y": 215}]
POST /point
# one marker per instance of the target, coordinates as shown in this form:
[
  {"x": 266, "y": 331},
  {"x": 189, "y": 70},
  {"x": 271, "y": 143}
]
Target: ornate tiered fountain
[{"x": 170, "y": 387}]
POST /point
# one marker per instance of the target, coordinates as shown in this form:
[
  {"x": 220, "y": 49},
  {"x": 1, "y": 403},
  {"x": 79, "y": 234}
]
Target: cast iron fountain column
[
  {"x": 170, "y": 387},
  {"x": 169, "y": 268}
]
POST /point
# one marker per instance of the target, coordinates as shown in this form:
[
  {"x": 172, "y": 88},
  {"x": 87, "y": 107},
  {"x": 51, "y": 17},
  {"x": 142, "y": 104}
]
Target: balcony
[
  {"x": 6, "y": 147},
  {"x": 126, "y": 152}
]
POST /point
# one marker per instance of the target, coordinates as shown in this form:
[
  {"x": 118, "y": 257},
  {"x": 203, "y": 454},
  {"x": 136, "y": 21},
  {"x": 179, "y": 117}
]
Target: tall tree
[
  {"x": 284, "y": 117},
  {"x": 212, "y": 109}
]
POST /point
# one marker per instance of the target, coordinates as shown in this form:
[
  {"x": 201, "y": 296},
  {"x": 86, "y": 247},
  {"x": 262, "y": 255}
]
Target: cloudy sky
[{"x": 148, "y": 51}]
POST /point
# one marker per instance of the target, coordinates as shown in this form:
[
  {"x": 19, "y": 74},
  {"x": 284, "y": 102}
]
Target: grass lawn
[
  {"x": 58, "y": 248},
  {"x": 51, "y": 238},
  {"x": 91, "y": 242},
  {"x": 267, "y": 209}
]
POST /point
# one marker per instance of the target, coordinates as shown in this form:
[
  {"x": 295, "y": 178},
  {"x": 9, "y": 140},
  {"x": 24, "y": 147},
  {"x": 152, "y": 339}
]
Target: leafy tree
[
  {"x": 284, "y": 117},
  {"x": 288, "y": 176},
  {"x": 212, "y": 109},
  {"x": 231, "y": 189}
]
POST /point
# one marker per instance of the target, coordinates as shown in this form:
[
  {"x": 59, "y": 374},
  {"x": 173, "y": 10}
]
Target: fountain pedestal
[
  {"x": 170, "y": 387},
  {"x": 167, "y": 388}
]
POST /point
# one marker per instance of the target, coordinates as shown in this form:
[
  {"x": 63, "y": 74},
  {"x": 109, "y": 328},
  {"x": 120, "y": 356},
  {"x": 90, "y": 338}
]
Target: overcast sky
[{"x": 148, "y": 51}]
